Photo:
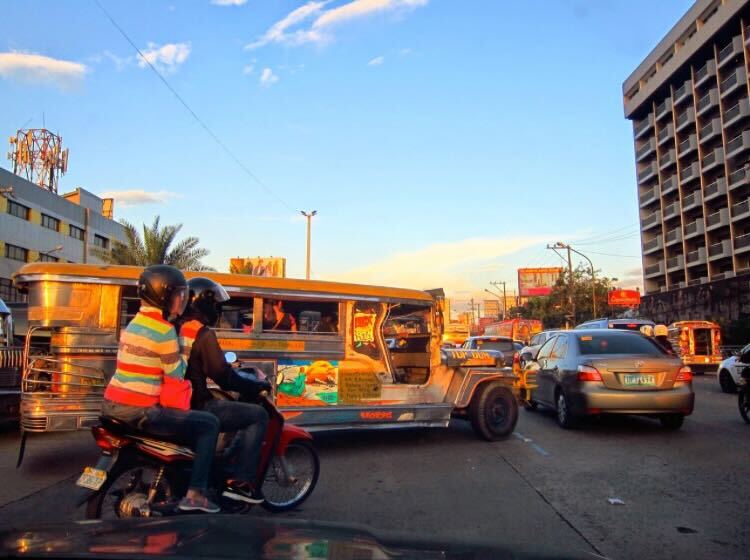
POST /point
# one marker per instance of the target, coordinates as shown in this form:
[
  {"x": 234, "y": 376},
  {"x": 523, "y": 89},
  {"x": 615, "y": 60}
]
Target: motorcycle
[
  {"x": 140, "y": 475},
  {"x": 743, "y": 394}
]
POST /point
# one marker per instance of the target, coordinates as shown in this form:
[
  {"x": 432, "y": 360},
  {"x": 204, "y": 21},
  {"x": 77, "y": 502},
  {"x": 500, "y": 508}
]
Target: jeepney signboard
[
  {"x": 256, "y": 344},
  {"x": 355, "y": 387}
]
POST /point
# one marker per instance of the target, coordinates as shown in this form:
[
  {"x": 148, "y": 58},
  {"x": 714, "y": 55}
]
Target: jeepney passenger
[{"x": 276, "y": 319}]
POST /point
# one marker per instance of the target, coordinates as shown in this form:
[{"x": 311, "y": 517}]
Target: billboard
[
  {"x": 259, "y": 266},
  {"x": 624, "y": 298},
  {"x": 537, "y": 281}
]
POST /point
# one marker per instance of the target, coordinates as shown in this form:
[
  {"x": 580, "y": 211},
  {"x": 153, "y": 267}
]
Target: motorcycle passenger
[
  {"x": 205, "y": 359},
  {"x": 148, "y": 360}
]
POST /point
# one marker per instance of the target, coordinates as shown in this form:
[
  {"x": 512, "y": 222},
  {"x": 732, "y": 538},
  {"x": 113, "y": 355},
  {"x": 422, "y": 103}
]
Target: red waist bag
[{"x": 176, "y": 393}]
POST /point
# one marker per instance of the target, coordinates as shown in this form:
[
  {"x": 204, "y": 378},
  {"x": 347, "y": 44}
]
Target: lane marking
[{"x": 538, "y": 448}]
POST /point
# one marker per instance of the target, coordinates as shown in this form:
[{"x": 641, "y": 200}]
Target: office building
[{"x": 39, "y": 225}]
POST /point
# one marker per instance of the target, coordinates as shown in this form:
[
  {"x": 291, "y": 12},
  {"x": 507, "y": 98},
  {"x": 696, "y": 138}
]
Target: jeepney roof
[
  {"x": 695, "y": 324},
  {"x": 233, "y": 282}
]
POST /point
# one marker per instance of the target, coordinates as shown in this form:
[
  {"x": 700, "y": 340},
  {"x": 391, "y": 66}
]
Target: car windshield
[
  {"x": 494, "y": 344},
  {"x": 614, "y": 343}
]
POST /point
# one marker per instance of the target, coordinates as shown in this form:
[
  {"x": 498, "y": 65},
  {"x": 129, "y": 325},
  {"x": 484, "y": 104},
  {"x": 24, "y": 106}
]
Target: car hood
[{"x": 229, "y": 537}]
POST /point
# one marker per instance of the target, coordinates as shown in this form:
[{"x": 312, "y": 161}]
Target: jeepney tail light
[
  {"x": 685, "y": 375},
  {"x": 107, "y": 441},
  {"x": 588, "y": 373}
]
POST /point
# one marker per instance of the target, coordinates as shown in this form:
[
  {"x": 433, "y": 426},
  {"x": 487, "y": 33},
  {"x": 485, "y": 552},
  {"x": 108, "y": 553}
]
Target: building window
[
  {"x": 16, "y": 253},
  {"x": 8, "y": 293},
  {"x": 50, "y": 223},
  {"x": 100, "y": 241},
  {"x": 76, "y": 232},
  {"x": 43, "y": 257},
  {"x": 18, "y": 210}
]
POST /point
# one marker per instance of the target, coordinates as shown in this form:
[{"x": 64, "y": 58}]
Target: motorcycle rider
[
  {"x": 149, "y": 368},
  {"x": 205, "y": 359}
]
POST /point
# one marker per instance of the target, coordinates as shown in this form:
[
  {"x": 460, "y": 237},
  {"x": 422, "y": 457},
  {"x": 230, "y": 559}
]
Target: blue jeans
[{"x": 250, "y": 420}]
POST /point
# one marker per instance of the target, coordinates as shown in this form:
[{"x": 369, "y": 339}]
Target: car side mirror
[
  {"x": 230, "y": 357},
  {"x": 527, "y": 357}
]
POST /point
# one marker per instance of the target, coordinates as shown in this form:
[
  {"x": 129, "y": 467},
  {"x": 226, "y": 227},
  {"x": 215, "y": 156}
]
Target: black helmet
[
  {"x": 205, "y": 299},
  {"x": 159, "y": 284}
]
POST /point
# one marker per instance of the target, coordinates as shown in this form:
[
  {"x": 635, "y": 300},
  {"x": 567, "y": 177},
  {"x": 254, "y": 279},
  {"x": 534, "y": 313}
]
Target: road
[{"x": 684, "y": 492}]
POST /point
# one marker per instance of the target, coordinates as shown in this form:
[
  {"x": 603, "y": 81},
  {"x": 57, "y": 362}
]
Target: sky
[{"x": 443, "y": 143}]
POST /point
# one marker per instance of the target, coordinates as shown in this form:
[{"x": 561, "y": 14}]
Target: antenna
[{"x": 37, "y": 154}]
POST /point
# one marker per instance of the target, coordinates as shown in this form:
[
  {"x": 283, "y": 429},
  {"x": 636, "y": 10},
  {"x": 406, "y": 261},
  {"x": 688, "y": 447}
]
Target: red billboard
[
  {"x": 537, "y": 281},
  {"x": 624, "y": 298}
]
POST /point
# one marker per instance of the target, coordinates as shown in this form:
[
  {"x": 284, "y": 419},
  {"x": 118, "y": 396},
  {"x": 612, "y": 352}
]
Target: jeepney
[
  {"x": 336, "y": 371},
  {"x": 698, "y": 343}
]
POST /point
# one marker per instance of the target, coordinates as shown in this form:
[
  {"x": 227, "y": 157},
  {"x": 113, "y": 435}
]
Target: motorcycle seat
[{"x": 121, "y": 427}]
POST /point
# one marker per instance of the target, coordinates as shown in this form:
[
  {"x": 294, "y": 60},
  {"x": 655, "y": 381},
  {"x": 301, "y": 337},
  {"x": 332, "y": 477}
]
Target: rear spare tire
[{"x": 493, "y": 411}]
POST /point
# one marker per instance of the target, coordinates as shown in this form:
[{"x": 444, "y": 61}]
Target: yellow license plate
[{"x": 92, "y": 478}]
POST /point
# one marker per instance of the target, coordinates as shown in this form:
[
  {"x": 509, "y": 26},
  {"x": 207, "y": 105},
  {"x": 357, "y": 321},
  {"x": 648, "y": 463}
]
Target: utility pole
[
  {"x": 309, "y": 216},
  {"x": 571, "y": 299},
  {"x": 561, "y": 245}
]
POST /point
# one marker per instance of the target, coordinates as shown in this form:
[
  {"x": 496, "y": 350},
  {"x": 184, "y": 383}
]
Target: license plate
[
  {"x": 638, "y": 379},
  {"x": 92, "y": 478}
]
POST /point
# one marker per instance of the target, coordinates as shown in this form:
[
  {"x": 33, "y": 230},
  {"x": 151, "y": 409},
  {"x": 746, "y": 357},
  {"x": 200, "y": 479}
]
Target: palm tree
[{"x": 155, "y": 247}]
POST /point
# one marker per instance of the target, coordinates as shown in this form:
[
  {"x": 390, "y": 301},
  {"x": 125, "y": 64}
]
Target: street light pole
[
  {"x": 309, "y": 216},
  {"x": 49, "y": 253}
]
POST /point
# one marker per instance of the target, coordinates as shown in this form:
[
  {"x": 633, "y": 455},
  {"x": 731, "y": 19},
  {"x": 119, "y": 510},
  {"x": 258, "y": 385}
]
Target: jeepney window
[
  {"x": 300, "y": 316},
  {"x": 129, "y": 305},
  {"x": 237, "y": 314}
]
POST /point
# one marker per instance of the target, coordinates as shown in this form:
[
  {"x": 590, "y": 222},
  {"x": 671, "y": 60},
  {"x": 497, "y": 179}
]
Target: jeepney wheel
[{"x": 493, "y": 412}]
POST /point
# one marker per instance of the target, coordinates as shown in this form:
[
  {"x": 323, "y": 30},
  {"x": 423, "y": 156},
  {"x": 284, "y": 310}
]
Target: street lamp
[
  {"x": 593, "y": 281},
  {"x": 49, "y": 253},
  {"x": 309, "y": 216}
]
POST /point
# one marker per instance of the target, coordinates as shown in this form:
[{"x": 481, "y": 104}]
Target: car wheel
[
  {"x": 743, "y": 403},
  {"x": 726, "y": 382},
  {"x": 563, "y": 415},
  {"x": 672, "y": 421}
]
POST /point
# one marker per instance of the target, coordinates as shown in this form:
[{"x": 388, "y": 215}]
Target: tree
[
  {"x": 155, "y": 247},
  {"x": 553, "y": 309}
]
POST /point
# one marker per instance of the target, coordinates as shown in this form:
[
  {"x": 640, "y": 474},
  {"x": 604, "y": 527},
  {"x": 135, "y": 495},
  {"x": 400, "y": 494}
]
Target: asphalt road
[{"x": 684, "y": 492}]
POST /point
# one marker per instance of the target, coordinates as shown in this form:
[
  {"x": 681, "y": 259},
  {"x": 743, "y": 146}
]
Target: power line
[
  {"x": 614, "y": 255},
  {"x": 607, "y": 233},
  {"x": 203, "y": 125}
]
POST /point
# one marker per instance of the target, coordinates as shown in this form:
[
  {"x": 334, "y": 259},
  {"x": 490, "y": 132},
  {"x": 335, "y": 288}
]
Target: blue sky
[{"x": 443, "y": 143}]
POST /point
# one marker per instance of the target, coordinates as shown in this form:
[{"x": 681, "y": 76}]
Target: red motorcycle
[{"x": 139, "y": 475}]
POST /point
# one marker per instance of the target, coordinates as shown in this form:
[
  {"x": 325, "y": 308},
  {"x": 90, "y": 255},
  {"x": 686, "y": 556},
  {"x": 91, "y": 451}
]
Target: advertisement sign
[
  {"x": 259, "y": 266},
  {"x": 537, "y": 281},
  {"x": 625, "y": 298}
]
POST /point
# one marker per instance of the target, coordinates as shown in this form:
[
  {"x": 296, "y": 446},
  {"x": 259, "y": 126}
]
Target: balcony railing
[
  {"x": 729, "y": 84},
  {"x": 671, "y": 211},
  {"x": 647, "y": 173},
  {"x": 646, "y": 149},
  {"x": 713, "y": 159},
  {"x": 733, "y": 48},
  {"x": 683, "y": 92},
  {"x": 654, "y": 269},
  {"x": 738, "y": 178},
  {"x": 717, "y": 219},
  {"x": 741, "y": 210},
  {"x": 667, "y": 159},
  {"x": 673, "y": 236},
  {"x": 689, "y": 172},
  {"x": 742, "y": 243},
  {"x": 675, "y": 263},
  {"x": 696, "y": 257},
  {"x": 665, "y": 133},
  {"x": 702, "y": 74},
  {"x": 738, "y": 144},
  {"x": 737, "y": 112},
  {"x": 694, "y": 228},
  {"x": 650, "y": 220},
  {"x": 643, "y": 125},
  {"x": 687, "y": 116},
  {"x": 663, "y": 108},
  {"x": 687, "y": 145},
  {"x": 710, "y": 130},
  {"x": 719, "y": 250},
  {"x": 707, "y": 101},
  {"x": 652, "y": 245},
  {"x": 649, "y": 196},
  {"x": 719, "y": 186},
  {"x": 691, "y": 200}
]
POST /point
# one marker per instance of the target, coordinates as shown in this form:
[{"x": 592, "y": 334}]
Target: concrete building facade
[
  {"x": 39, "y": 225},
  {"x": 689, "y": 102}
]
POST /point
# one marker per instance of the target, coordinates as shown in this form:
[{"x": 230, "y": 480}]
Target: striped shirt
[{"x": 148, "y": 351}]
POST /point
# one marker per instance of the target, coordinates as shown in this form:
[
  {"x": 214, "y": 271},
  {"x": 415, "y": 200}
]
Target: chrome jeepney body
[{"x": 358, "y": 356}]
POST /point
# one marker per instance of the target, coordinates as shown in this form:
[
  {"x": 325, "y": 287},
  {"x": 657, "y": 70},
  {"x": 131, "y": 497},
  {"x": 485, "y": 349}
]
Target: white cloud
[
  {"x": 362, "y": 8},
  {"x": 165, "y": 57},
  {"x": 443, "y": 265},
  {"x": 248, "y": 68},
  {"x": 120, "y": 62},
  {"x": 40, "y": 69},
  {"x": 228, "y": 2},
  {"x": 290, "y": 31},
  {"x": 279, "y": 31},
  {"x": 377, "y": 61},
  {"x": 267, "y": 77},
  {"x": 137, "y": 197}
]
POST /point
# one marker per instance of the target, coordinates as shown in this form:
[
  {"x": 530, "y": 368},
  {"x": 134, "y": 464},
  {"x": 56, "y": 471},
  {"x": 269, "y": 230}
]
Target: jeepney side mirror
[
  {"x": 230, "y": 357},
  {"x": 527, "y": 357}
]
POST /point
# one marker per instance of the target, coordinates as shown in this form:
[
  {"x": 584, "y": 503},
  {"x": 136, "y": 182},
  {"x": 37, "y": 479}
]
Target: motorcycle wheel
[
  {"x": 125, "y": 490},
  {"x": 303, "y": 465},
  {"x": 743, "y": 402}
]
